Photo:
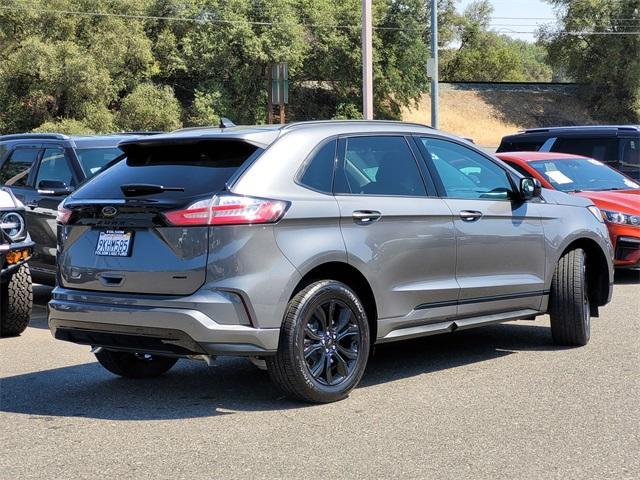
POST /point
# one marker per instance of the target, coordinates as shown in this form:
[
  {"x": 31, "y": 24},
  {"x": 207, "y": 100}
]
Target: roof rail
[
  {"x": 330, "y": 122},
  {"x": 140, "y": 132},
  {"x": 627, "y": 128},
  {"x": 34, "y": 136}
]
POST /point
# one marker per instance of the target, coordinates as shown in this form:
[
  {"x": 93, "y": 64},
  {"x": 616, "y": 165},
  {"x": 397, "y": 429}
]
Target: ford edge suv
[{"x": 303, "y": 245}]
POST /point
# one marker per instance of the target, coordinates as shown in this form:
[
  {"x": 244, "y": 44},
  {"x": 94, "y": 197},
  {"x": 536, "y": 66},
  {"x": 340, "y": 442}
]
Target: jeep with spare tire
[{"x": 16, "y": 247}]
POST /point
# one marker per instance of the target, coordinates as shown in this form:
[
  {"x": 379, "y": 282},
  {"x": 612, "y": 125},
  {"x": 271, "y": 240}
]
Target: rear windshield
[
  {"x": 93, "y": 159},
  {"x": 521, "y": 145},
  {"x": 200, "y": 168}
]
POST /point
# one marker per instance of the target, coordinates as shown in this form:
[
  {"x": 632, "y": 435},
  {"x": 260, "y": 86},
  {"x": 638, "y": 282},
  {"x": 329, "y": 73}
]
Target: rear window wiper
[{"x": 134, "y": 189}]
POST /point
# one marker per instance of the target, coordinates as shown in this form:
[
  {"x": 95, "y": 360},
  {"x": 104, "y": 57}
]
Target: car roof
[
  {"x": 77, "y": 141},
  {"x": 264, "y": 135},
  {"x": 533, "y": 156},
  {"x": 577, "y": 130}
]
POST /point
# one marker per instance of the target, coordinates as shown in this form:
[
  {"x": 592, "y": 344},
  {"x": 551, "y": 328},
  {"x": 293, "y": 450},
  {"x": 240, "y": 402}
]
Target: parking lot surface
[{"x": 495, "y": 402}]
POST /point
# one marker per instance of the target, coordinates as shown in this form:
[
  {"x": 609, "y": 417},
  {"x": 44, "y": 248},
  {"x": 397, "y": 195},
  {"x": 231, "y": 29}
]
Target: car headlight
[
  {"x": 13, "y": 225},
  {"x": 621, "y": 218},
  {"x": 596, "y": 213}
]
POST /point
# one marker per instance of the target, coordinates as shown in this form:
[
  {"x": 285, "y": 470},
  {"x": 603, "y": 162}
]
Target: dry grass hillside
[{"x": 486, "y": 116}]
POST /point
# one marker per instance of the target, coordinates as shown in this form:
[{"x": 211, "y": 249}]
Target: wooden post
[
  {"x": 269, "y": 96},
  {"x": 367, "y": 61},
  {"x": 281, "y": 85}
]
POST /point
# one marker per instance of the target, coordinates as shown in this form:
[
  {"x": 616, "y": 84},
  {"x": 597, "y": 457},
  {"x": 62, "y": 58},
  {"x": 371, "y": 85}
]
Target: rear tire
[
  {"x": 324, "y": 344},
  {"x": 569, "y": 301},
  {"x": 16, "y": 302},
  {"x": 135, "y": 365}
]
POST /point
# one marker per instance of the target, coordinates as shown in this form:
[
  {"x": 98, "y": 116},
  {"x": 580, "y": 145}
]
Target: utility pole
[
  {"x": 434, "y": 64},
  {"x": 367, "y": 61}
]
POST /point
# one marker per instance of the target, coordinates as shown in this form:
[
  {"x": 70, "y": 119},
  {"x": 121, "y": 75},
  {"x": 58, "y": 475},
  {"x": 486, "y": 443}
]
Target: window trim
[
  {"x": 342, "y": 150},
  {"x": 302, "y": 169},
  {"x": 442, "y": 193}
]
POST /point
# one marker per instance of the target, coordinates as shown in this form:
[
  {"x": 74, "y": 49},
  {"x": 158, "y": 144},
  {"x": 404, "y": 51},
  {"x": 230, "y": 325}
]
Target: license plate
[{"x": 114, "y": 243}]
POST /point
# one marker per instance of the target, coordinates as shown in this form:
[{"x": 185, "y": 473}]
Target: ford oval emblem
[{"x": 109, "y": 211}]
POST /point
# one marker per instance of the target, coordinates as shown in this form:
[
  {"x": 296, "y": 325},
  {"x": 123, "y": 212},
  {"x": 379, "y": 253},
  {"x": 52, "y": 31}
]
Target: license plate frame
[{"x": 121, "y": 246}]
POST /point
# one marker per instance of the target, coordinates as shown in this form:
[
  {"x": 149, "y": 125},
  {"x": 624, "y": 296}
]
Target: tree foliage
[
  {"x": 486, "y": 56},
  {"x": 105, "y": 65},
  {"x": 608, "y": 65}
]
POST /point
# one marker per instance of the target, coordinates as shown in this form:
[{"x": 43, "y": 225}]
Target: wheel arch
[
  {"x": 354, "y": 279},
  {"x": 598, "y": 270}
]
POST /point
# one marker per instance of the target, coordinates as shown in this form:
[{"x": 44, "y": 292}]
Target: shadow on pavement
[{"x": 192, "y": 390}]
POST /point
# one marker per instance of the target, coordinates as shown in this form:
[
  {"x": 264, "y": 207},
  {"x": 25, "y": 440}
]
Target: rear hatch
[{"x": 117, "y": 238}]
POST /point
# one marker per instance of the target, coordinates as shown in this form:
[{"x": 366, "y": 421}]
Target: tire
[
  {"x": 135, "y": 365},
  {"x": 569, "y": 301},
  {"x": 16, "y": 302},
  {"x": 324, "y": 344}
]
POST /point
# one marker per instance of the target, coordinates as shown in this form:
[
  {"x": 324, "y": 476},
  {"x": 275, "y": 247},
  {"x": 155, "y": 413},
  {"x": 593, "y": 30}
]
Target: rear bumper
[{"x": 177, "y": 326}]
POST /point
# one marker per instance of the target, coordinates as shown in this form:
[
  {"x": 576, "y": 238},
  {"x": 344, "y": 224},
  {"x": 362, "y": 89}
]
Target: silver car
[{"x": 303, "y": 245}]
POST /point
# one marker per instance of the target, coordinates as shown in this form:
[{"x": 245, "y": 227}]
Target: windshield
[
  {"x": 575, "y": 174},
  {"x": 93, "y": 159}
]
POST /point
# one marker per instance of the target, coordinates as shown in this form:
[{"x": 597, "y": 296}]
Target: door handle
[
  {"x": 31, "y": 205},
  {"x": 366, "y": 216},
  {"x": 470, "y": 215}
]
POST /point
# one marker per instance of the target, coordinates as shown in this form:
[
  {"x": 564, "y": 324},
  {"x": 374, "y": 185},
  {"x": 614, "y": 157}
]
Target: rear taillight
[
  {"x": 228, "y": 209},
  {"x": 63, "y": 215}
]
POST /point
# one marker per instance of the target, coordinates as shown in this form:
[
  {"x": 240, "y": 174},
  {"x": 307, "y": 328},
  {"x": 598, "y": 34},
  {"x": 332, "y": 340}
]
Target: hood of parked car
[
  {"x": 560, "y": 198},
  {"x": 8, "y": 201},
  {"x": 627, "y": 201}
]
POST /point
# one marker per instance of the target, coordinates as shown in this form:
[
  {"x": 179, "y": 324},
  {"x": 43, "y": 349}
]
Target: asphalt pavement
[{"x": 495, "y": 402}]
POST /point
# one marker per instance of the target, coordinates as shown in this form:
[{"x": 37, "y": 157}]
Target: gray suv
[{"x": 303, "y": 245}]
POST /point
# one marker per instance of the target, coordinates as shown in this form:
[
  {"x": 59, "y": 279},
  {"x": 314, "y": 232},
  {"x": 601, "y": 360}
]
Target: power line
[{"x": 207, "y": 19}]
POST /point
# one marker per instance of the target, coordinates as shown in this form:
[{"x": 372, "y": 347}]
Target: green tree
[
  {"x": 606, "y": 64},
  {"x": 149, "y": 107},
  {"x": 68, "y": 126},
  {"x": 55, "y": 65},
  {"x": 485, "y": 56}
]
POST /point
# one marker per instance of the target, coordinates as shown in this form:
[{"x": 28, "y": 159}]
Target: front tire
[
  {"x": 569, "y": 301},
  {"x": 324, "y": 344},
  {"x": 16, "y": 302},
  {"x": 135, "y": 365}
]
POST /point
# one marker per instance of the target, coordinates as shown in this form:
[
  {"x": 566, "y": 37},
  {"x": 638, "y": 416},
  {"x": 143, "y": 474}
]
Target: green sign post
[{"x": 279, "y": 90}]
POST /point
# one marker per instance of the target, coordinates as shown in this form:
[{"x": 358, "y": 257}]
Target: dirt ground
[{"x": 486, "y": 116}]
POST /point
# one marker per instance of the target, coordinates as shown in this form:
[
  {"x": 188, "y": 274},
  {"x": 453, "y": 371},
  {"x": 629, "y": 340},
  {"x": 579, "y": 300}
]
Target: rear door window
[
  {"x": 524, "y": 145},
  {"x": 15, "y": 171},
  {"x": 200, "y": 168},
  {"x": 603, "y": 149},
  {"x": 382, "y": 165}
]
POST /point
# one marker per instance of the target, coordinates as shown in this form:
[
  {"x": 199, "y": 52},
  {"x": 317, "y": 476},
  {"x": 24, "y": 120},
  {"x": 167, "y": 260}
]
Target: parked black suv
[
  {"x": 16, "y": 295},
  {"x": 617, "y": 145},
  {"x": 41, "y": 169}
]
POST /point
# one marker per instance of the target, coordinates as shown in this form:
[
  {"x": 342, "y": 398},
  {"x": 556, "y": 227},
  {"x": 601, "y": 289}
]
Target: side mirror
[
  {"x": 530, "y": 188},
  {"x": 54, "y": 188}
]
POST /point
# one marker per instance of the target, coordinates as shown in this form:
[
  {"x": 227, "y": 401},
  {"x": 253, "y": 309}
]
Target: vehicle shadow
[
  {"x": 192, "y": 390},
  {"x": 41, "y": 296},
  {"x": 627, "y": 277}
]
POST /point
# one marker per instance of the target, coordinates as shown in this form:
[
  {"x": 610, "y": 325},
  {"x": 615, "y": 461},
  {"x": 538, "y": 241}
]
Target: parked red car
[{"x": 617, "y": 195}]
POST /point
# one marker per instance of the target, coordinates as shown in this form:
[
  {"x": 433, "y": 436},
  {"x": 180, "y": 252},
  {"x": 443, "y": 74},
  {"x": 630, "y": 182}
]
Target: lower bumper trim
[{"x": 159, "y": 341}]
